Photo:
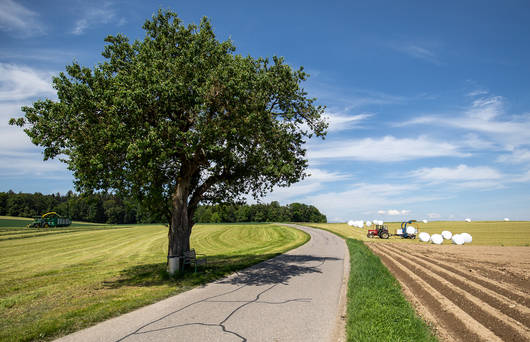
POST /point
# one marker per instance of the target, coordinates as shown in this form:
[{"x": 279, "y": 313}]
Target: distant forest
[{"x": 109, "y": 208}]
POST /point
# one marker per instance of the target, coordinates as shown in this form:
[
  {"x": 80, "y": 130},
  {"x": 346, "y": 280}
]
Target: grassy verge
[
  {"x": 54, "y": 284},
  {"x": 377, "y": 309}
]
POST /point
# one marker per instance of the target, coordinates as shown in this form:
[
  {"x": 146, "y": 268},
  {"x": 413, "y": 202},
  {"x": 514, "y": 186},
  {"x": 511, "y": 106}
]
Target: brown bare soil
[{"x": 466, "y": 293}]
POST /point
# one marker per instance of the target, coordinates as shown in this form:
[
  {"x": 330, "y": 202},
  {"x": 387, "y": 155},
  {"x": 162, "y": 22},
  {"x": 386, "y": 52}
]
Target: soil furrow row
[
  {"x": 502, "y": 288},
  {"x": 511, "y": 308},
  {"x": 499, "y": 323},
  {"x": 449, "y": 317}
]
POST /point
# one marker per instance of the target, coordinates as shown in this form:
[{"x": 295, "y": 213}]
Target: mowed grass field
[
  {"x": 491, "y": 233},
  {"x": 59, "y": 281}
]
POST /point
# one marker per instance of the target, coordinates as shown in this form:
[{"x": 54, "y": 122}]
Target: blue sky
[{"x": 428, "y": 102}]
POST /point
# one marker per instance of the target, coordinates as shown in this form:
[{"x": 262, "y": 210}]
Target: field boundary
[{"x": 369, "y": 280}]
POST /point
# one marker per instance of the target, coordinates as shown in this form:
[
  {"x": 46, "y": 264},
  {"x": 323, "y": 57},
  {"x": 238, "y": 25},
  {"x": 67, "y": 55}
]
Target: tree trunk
[{"x": 180, "y": 225}]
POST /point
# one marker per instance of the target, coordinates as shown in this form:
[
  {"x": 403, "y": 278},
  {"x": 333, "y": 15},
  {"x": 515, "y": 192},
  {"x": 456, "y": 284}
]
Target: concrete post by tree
[{"x": 176, "y": 120}]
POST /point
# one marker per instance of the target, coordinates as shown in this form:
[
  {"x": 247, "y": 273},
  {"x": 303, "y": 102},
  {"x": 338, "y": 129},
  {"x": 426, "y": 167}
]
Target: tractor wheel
[
  {"x": 384, "y": 235},
  {"x": 370, "y": 235},
  {"x": 46, "y": 225}
]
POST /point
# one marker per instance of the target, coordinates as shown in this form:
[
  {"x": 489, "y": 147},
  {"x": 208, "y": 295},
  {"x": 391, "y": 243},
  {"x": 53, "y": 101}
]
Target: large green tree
[{"x": 177, "y": 119}]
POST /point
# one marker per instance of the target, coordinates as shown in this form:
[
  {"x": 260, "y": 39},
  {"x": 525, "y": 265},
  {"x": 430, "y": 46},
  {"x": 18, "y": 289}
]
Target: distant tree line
[
  {"x": 273, "y": 212},
  {"x": 110, "y": 208}
]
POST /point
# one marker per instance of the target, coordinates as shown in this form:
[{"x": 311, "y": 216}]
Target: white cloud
[
  {"x": 364, "y": 197},
  {"x": 386, "y": 149},
  {"x": 30, "y": 164},
  {"x": 486, "y": 108},
  {"x": 477, "y": 92},
  {"x": 433, "y": 215},
  {"x": 473, "y": 141},
  {"x": 350, "y": 98},
  {"x": 393, "y": 212},
  {"x": 481, "y": 185},
  {"x": 19, "y": 82},
  {"x": 95, "y": 16},
  {"x": 417, "y": 51},
  {"x": 485, "y": 115},
  {"x": 523, "y": 178},
  {"x": 293, "y": 192},
  {"x": 518, "y": 156},
  {"x": 311, "y": 184},
  {"x": 19, "y": 86},
  {"x": 19, "y": 20},
  {"x": 460, "y": 173},
  {"x": 325, "y": 176},
  {"x": 340, "y": 122}
]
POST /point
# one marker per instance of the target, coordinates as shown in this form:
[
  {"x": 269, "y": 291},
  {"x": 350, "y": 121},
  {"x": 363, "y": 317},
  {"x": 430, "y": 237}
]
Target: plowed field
[{"x": 467, "y": 293}]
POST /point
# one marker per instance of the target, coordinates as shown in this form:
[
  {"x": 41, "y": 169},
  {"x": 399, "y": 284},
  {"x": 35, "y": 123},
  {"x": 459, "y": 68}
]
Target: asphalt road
[{"x": 297, "y": 296}]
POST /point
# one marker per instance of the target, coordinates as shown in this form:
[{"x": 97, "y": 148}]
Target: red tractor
[{"x": 380, "y": 230}]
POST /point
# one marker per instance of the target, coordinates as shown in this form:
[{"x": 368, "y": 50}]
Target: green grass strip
[{"x": 377, "y": 310}]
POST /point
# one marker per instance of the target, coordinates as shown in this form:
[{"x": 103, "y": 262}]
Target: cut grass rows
[{"x": 52, "y": 285}]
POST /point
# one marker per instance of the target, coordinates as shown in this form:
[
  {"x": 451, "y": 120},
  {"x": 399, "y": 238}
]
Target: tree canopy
[{"x": 177, "y": 119}]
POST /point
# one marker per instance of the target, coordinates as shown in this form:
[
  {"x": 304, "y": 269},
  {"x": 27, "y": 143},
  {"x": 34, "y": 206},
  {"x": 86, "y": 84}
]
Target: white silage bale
[
  {"x": 351, "y": 223},
  {"x": 368, "y": 223},
  {"x": 437, "y": 239},
  {"x": 468, "y": 220},
  {"x": 458, "y": 239},
  {"x": 399, "y": 231},
  {"x": 424, "y": 237},
  {"x": 467, "y": 238},
  {"x": 425, "y": 221},
  {"x": 506, "y": 219},
  {"x": 447, "y": 235},
  {"x": 411, "y": 230}
]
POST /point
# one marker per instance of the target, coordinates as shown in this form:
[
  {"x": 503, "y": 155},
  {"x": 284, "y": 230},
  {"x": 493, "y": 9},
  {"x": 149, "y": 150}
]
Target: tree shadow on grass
[
  {"x": 156, "y": 274},
  {"x": 266, "y": 270}
]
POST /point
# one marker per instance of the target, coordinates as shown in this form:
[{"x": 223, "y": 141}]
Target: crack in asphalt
[{"x": 221, "y": 324}]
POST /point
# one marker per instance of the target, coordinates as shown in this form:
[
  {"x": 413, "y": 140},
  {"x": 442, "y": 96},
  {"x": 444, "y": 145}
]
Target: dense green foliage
[
  {"x": 93, "y": 273},
  {"x": 273, "y": 212},
  {"x": 177, "y": 119},
  {"x": 110, "y": 208},
  {"x": 98, "y": 208}
]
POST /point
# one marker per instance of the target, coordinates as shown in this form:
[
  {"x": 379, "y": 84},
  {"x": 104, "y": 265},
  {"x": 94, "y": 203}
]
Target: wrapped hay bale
[
  {"x": 351, "y": 223},
  {"x": 467, "y": 238},
  {"x": 447, "y": 235},
  {"x": 458, "y": 239},
  {"x": 425, "y": 221},
  {"x": 424, "y": 237},
  {"x": 368, "y": 223},
  {"x": 468, "y": 220},
  {"x": 411, "y": 230},
  {"x": 437, "y": 239}
]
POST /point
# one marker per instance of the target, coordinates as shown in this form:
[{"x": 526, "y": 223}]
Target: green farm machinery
[{"x": 50, "y": 220}]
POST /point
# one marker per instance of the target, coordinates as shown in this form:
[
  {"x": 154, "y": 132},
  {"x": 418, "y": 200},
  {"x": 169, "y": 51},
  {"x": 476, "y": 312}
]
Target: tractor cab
[
  {"x": 380, "y": 230},
  {"x": 50, "y": 220}
]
